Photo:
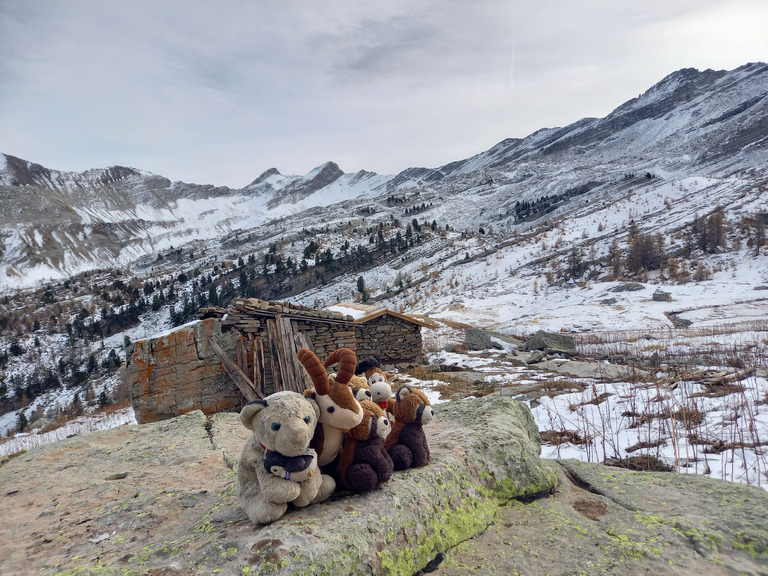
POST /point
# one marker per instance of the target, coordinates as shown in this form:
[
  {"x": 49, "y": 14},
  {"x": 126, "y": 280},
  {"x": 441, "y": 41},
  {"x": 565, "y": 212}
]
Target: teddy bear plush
[
  {"x": 339, "y": 410},
  {"x": 363, "y": 462},
  {"x": 282, "y": 426},
  {"x": 407, "y": 443},
  {"x": 378, "y": 382}
]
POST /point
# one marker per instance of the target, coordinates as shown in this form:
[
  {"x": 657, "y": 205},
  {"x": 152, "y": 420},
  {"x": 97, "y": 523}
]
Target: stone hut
[
  {"x": 252, "y": 346},
  {"x": 391, "y": 337}
]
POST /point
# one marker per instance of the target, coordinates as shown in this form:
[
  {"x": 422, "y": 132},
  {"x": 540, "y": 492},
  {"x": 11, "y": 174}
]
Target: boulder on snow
[
  {"x": 551, "y": 343},
  {"x": 661, "y": 296},
  {"x": 536, "y": 357},
  {"x": 478, "y": 339},
  {"x": 628, "y": 287}
]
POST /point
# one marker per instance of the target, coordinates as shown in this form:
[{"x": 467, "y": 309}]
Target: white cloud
[{"x": 216, "y": 92}]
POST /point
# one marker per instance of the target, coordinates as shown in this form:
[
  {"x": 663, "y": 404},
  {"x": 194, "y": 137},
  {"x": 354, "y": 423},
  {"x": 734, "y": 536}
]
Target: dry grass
[
  {"x": 641, "y": 463},
  {"x": 645, "y": 446},
  {"x": 453, "y": 385},
  {"x": 593, "y": 401},
  {"x": 558, "y": 437},
  {"x": 689, "y": 416}
]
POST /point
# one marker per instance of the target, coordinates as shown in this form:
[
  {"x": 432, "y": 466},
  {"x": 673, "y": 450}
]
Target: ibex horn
[
  {"x": 315, "y": 369},
  {"x": 347, "y": 363}
]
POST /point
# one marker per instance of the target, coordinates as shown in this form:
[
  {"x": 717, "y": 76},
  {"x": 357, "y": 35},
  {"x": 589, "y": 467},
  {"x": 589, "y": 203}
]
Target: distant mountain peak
[
  {"x": 264, "y": 175},
  {"x": 325, "y": 170}
]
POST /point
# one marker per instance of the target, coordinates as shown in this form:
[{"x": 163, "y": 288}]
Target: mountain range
[{"x": 692, "y": 123}]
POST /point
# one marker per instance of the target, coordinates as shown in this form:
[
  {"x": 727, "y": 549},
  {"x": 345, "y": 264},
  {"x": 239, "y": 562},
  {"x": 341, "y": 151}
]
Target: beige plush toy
[
  {"x": 378, "y": 382},
  {"x": 282, "y": 426},
  {"x": 339, "y": 410}
]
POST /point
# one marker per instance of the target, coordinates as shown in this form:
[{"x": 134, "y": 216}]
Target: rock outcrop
[
  {"x": 550, "y": 343},
  {"x": 159, "y": 499},
  {"x": 612, "y": 521},
  {"x": 478, "y": 339},
  {"x": 178, "y": 372}
]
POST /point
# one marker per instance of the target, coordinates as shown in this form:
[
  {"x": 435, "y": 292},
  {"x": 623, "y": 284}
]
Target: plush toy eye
[
  {"x": 331, "y": 409},
  {"x": 275, "y": 426},
  {"x": 307, "y": 419}
]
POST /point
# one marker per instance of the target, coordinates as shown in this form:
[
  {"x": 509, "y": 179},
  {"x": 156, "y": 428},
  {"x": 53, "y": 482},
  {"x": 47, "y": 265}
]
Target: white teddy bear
[{"x": 282, "y": 426}]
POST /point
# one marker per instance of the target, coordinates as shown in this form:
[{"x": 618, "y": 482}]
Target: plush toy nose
[
  {"x": 427, "y": 415},
  {"x": 293, "y": 437}
]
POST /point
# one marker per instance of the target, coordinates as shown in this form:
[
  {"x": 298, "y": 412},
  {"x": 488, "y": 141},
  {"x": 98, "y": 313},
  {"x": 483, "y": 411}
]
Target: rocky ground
[{"x": 159, "y": 499}]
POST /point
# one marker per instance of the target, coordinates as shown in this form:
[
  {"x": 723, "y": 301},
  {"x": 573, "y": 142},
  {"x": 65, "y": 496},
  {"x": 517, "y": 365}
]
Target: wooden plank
[
  {"x": 241, "y": 354},
  {"x": 300, "y": 340},
  {"x": 258, "y": 364},
  {"x": 240, "y": 379},
  {"x": 288, "y": 329},
  {"x": 286, "y": 354},
  {"x": 273, "y": 337}
]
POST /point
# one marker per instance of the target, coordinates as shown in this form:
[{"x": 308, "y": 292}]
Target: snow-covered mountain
[
  {"x": 531, "y": 234},
  {"x": 692, "y": 123}
]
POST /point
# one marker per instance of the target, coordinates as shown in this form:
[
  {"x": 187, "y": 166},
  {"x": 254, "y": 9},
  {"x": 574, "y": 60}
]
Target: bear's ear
[
  {"x": 315, "y": 405},
  {"x": 249, "y": 411},
  {"x": 310, "y": 394},
  {"x": 403, "y": 391}
]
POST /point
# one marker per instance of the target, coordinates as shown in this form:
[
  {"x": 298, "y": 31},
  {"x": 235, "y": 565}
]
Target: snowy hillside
[{"x": 690, "y": 125}]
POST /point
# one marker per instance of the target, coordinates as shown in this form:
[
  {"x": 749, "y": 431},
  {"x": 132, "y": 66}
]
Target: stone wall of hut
[{"x": 390, "y": 339}]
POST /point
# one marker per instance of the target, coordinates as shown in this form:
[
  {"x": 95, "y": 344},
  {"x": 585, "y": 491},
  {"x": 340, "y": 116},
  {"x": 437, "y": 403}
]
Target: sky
[{"x": 218, "y": 91}]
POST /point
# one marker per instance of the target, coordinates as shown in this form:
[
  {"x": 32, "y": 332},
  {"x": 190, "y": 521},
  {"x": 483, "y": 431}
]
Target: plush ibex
[{"x": 339, "y": 411}]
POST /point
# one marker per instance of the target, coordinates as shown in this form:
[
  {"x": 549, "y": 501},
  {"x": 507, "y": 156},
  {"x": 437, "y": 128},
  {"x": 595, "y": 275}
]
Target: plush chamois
[
  {"x": 378, "y": 382},
  {"x": 407, "y": 443},
  {"x": 339, "y": 411},
  {"x": 282, "y": 426},
  {"x": 364, "y": 462}
]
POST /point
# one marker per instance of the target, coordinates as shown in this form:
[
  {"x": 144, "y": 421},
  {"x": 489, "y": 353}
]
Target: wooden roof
[
  {"x": 242, "y": 308},
  {"x": 371, "y": 312}
]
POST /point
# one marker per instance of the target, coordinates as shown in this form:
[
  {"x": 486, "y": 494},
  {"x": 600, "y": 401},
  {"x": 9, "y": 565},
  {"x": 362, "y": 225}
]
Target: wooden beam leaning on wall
[{"x": 241, "y": 380}]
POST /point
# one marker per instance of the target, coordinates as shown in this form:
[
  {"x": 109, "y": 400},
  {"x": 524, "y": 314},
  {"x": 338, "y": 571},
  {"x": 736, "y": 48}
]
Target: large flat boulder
[
  {"x": 159, "y": 499},
  {"x": 612, "y": 521}
]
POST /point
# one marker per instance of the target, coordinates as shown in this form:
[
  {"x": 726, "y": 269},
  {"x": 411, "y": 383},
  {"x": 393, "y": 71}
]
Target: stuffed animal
[
  {"x": 360, "y": 388},
  {"x": 378, "y": 382},
  {"x": 339, "y": 411},
  {"x": 407, "y": 444},
  {"x": 363, "y": 462},
  {"x": 282, "y": 426},
  {"x": 296, "y": 468}
]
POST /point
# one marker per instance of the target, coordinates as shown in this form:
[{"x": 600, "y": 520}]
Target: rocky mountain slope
[{"x": 55, "y": 224}]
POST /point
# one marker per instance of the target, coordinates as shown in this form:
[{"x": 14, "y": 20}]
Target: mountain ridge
[{"x": 688, "y": 122}]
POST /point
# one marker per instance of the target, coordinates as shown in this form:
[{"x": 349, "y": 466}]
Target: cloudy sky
[{"x": 217, "y": 91}]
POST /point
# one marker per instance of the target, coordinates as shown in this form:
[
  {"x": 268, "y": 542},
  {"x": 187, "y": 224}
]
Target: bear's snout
[{"x": 293, "y": 437}]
